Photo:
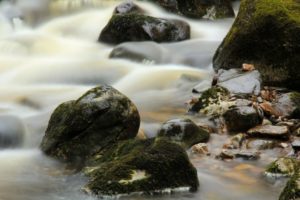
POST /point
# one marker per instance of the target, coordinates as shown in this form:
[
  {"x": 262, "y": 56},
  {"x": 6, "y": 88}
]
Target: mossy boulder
[
  {"x": 137, "y": 27},
  {"x": 266, "y": 33},
  {"x": 283, "y": 166},
  {"x": 242, "y": 118},
  {"x": 140, "y": 166},
  {"x": 98, "y": 119},
  {"x": 211, "y": 97},
  {"x": 184, "y": 132}
]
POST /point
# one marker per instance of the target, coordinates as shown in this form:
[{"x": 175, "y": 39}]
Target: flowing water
[{"x": 49, "y": 54}]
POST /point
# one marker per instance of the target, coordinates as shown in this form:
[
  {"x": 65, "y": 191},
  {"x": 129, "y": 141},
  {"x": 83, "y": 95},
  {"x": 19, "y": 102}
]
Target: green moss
[
  {"x": 211, "y": 96},
  {"x": 266, "y": 34},
  {"x": 165, "y": 165},
  {"x": 291, "y": 190},
  {"x": 284, "y": 166}
]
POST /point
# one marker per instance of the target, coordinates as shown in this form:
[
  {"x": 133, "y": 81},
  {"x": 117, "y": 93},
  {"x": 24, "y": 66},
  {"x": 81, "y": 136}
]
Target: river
[{"x": 49, "y": 54}]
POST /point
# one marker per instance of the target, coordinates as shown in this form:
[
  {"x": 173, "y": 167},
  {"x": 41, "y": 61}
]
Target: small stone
[
  {"x": 200, "y": 149},
  {"x": 261, "y": 144},
  {"x": 296, "y": 144},
  {"x": 248, "y": 67},
  {"x": 235, "y": 142},
  {"x": 225, "y": 155},
  {"x": 248, "y": 155},
  {"x": 269, "y": 109},
  {"x": 269, "y": 131}
]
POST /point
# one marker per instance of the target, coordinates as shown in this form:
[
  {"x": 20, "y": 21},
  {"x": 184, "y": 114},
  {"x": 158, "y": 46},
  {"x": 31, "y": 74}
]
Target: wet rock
[
  {"x": 235, "y": 142},
  {"x": 288, "y": 105},
  {"x": 243, "y": 154},
  {"x": 242, "y": 118},
  {"x": 239, "y": 82},
  {"x": 128, "y": 7},
  {"x": 248, "y": 67},
  {"x": 292, "y": 189},
  {"x": 266, "y": 34},
  {"x": 140, "y": 166},
  {"x": 296, "y": 144},
  {"x": 184, "y": 53},
  {"x": 183, "y": 131},
  {"x": 211, "y": 99},
  {"x": 98, "y": 119},
  {"x": 269, "y": 131},
  {"x": 211, "y": 9},
  {"x": 282, "y": 167},
  {"x": 136, "y": 27},
  {"x": 12, "y": 131},
  {"x": 261, "y": 144},
  {"x": 200, "y": 149}
]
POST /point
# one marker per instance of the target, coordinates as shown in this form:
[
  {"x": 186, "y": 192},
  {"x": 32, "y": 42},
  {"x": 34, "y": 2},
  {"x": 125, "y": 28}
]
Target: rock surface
[
  {"x": 128, "y": 7},
  {"x": 266, "y": 34},
  {"x": 184, "y": 132},
  {"x": 283, "y": 166},
  {"x": 242, "y": 118},
  {"x": 98, "y": 119},
  {"x": 137, "y": 27},
  {"x": 269, "y": 131},
  {"x": 140, "y": 166}
]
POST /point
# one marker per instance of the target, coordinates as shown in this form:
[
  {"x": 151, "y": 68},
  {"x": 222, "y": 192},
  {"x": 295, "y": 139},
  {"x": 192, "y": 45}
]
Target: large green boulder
[
  {"x": 79, "y": 128},
  {"x": 137, "y": 27},
  {"x": 266, "y": 33},
  {"x": 140, "y": 166}
]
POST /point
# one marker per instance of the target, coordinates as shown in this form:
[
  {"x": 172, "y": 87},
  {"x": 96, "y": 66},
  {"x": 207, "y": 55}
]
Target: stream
[{"x": 49, "y": 54}]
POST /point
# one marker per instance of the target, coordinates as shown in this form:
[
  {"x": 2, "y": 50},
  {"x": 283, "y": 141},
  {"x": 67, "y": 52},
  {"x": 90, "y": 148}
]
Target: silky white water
[{"x": 49, "y": 54}]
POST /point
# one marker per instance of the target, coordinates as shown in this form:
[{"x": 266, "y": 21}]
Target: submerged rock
[
  {"x": 140, "y": 166},
  {"x": 243, "y": 154},
  {"x": 266, "y": 34},
  {"x": 183, "y": 131},
  {"x": 242, "y": 118},
  {"x": 239, "y": 82},
  {"x": 136, "y": 27},
  {"x": 12, "y": 131},
  {"x": 269, "y": 131},
  {"x": 98, "y": 119}
]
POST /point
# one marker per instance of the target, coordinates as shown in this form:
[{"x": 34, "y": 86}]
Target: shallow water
[{"x": 52, "y": 56}]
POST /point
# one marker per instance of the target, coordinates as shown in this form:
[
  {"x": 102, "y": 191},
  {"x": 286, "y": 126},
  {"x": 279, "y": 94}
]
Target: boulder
[
  {"x": 266, "y": 33},
  {"x": 292, "y": 189},
  {"x": 79, "y": 128},
  {"x": 269, "y": 131},
  {"x": 242, "y": 118},
  {"x": 288, "y": 105},
  {"x": 146, "y": 166},
  {"x": 137, "y": 27},
  {"x": 238, "y": 82},
  {"x": 184, "y": 132}
]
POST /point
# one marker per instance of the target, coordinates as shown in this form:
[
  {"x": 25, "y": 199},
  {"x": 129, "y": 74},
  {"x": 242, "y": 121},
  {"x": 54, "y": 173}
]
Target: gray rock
[
  {"x": 184, "y": 132},
  {"x": 242, "y": 118},
  {"x": 239, "y": 82},
  {"x": 269, "y": 131}
]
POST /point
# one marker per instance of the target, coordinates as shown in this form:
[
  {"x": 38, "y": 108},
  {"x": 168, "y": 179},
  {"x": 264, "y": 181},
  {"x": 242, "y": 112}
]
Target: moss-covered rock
[
  {"x": 266, "y": 33},
  {"x": 140, "y": 166},
  {"x": 184, "y": 132},
  {"x": 283, "y": 166},
  {"x": 292, "y": 189},
  {"x": 136, "y": 27},
  {"x": 242, "y": 118},
  {"x": 98, "y": 119},
  {"x": 211, "y": 97}
]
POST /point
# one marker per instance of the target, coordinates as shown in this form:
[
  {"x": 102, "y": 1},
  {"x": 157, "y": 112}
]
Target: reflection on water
[{"x": 49, "y": 54}]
